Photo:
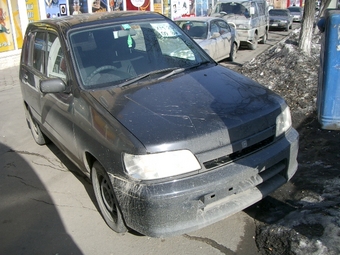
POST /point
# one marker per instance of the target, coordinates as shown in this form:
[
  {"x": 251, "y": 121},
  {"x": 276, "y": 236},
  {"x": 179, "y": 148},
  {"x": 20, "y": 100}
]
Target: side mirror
[
  {"x": 252, "y": 10},
  {"x": 54, "y": 85},
  {"x": 215, "y": 35}
]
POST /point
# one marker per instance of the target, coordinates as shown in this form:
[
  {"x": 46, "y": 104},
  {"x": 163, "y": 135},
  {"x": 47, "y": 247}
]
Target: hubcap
[{"x": 105, "y": 190}]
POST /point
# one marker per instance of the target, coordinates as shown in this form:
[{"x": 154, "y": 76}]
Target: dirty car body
[
  {"x": 280, "y": 19},
  {"x": 297, "y": 13},
  {"x": 171, "y": 140},
  {"x": 250, "y": 18},
  {"x": 214, "y": 35}
]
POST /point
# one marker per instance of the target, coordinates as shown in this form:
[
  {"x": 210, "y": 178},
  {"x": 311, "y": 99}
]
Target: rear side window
[
  {"x": 262, "y": 8},
  {"x": 224, "y": 27},
  {"x": 39, "y": 51},
  {"x": 56, "y": 66},
  {"x": 46, "y": 55},
  {"x": 26, "y": 49}
]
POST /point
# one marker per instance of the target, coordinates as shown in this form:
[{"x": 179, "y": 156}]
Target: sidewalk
[{"x": 9, "y": 70}]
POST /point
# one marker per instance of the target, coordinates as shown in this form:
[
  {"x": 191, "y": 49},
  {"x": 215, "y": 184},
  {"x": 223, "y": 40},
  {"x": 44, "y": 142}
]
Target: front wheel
[
  {"x": 106, "y": 199},
  {"x": 233, "y": 52},
  {"x": 264, "y": 38},
  {"x": 253, "y": 46},
  {"x": 37, "y": 134}
]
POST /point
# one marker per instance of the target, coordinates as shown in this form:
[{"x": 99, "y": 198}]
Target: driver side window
[
  {"x": 214, "y": 28},
  {"x": 56, "y": 64}
]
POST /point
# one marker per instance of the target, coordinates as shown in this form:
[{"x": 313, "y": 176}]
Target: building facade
[{"x": 16, "y": 14}]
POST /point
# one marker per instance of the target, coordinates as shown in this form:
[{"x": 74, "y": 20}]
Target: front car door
[
  {"x": 227, "y": 37},
  {"x": 222, "y": 43},
  {"x": 54, "y": 111}
]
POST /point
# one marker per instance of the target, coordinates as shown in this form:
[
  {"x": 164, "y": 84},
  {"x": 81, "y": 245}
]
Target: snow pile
[
  {"x": 286, "y": 70},
  {"x": 303, "y": 217}
]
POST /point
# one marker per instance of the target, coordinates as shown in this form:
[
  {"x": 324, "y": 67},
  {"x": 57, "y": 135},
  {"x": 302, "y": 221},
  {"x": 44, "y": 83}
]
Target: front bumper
[
  {"x": 297, "y": 18},
  {"x": 183, "y": 205},
  {"x": 278, "y": 25},
  {"x": 246, "y": 35}
]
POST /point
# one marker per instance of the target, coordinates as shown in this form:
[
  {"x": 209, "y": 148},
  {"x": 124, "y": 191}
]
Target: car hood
[
  {"x": 197, "y": 110},
  {"x": 234, "y": 18}
]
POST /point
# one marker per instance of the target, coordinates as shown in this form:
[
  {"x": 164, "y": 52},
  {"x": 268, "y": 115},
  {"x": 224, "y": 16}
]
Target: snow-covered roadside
[{"x": 307, "y": 210}]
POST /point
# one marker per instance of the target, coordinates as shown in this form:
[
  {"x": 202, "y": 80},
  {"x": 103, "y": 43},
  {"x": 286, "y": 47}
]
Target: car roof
[
  {"x": 237, "y": 1},
  {"x": 199, "y": 18},
  {"x": 294, "y": 8},
  {"x": 87, "y": 19},
  {"x": 278, "y": 9}
]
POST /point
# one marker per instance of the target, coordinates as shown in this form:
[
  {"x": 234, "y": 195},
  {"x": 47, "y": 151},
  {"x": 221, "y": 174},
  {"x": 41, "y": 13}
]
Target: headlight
[
  {"x": 283, "y": 121},
  {"x": 160, "y": 165},
  {"x": 243, "y": 26}
]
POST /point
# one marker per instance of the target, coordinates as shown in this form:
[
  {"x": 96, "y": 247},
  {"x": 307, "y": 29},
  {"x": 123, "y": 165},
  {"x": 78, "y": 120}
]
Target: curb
[{"x": 9, "y": 59}]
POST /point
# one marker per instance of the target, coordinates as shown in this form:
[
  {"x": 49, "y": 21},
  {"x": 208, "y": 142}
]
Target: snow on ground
[{"x": 303, "y": 217}]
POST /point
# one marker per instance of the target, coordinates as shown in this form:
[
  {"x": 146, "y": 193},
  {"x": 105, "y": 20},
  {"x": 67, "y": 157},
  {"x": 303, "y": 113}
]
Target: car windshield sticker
[
  {"x": 165, "y": 29},
  {"x": 129, "y": 41},
  {"x": 126, "y": 26}
]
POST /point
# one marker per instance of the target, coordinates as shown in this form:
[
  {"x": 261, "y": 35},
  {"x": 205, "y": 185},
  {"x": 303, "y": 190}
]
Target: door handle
[{"x": 25, "y": 77}]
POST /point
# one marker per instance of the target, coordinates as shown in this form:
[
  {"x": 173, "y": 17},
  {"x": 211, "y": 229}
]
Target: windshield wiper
[
  {"x": 199, "y": 64},
  {"x": 173, "y": 70}
]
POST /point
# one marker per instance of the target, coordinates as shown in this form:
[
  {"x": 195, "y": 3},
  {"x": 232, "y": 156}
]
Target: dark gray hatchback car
[{"x": 171, "y": 140}]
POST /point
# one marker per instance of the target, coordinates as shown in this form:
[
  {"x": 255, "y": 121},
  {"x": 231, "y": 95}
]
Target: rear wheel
[
  {"x": 37, "y": 134},
  {"x": 106, "y": 199}
]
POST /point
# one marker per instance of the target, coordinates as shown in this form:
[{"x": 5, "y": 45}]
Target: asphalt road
[
  {"x": 48, "y": 207},
  {"x": 245, "y": 55}
]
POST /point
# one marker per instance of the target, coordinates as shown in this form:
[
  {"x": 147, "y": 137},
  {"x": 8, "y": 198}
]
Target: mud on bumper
[{"x": 183, "y": 205}]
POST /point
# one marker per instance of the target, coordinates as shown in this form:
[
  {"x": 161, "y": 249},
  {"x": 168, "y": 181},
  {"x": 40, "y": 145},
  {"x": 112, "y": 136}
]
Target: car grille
[{"x": 237, "y": 154}]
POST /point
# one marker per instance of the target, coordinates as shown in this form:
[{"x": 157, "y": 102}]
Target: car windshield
[
  {"x": 278, "y": 13},
  {"x": 118, "y": 53},
  {"x": 234, "y": 8},
  {"x": 196, "y": 29},
  {"x": 294, "y": 9}
]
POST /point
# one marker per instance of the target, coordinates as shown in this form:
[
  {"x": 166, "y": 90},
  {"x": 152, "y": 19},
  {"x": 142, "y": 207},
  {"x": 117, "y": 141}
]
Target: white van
[{"x": 250, "y": 17}]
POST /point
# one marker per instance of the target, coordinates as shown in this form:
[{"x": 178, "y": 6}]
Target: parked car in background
[
  {"x": 171, "y": 140},
  {"x": 214, "y": 35},
  {"x": 297, "y": 13},
  {"x": 250, "y": 17},
  {"x": 280, "y": 19}
]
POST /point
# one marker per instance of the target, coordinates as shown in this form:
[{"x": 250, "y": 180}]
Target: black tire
[
  {"x": 37, "y": 134},
  {"x": 106, "y": 199},
  {"x": 264, "y": 38},
  {"x": 253, "y": 46},
  {"x": 233, "y": 52}
]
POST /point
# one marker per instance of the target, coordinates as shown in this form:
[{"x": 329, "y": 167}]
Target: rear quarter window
[{"x": 39, "y": 51}]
